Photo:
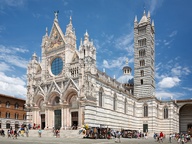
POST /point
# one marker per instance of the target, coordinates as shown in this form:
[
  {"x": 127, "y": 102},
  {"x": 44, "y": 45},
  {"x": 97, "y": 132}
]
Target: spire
[
  {"x": 70, "y": 20},
  {"x": 81, "y": 42},
  {"x": 153, "y": 23},
  {"x": 148, "y": 15},
  {"x": 135, "y": 19},
  {"x": 144, "y": 14},
  {"x": 69, "y": 28},
  {"x": 46, "y": 33},
  {"x": 86, "y": 37},
  {"x": 34, "y": 57}
]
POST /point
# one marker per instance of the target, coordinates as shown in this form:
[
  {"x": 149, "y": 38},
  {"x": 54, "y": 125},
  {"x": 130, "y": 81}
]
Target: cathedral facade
[{"x": 66, "y": 89}]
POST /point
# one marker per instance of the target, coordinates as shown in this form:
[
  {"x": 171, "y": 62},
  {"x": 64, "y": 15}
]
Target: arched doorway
[{"x": 185, "y": 119}]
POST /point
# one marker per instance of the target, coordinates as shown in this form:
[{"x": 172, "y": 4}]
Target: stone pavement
[{"x": 53, "y": 140}]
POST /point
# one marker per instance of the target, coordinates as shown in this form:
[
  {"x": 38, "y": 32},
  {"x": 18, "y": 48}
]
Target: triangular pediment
[
  {"x": 56, "y": 36},
  {"x": 71, "y": 85},
  {"x": 75, "y": 57},
  {"x": 39, "y": 91},
  {"x": 54, "y": 87}
]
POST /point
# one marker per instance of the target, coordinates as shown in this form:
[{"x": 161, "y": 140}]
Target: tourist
[
  {"x": 57, "y": 133},
  {"x": 39, "y": 132},
  {"x": 15, "y": 134},
  {"x": 161, "y": 137},
  {"x": 170, "y": 137},
  {"x": 8, "y": 134},
  {"x": 27, "y": 131}
]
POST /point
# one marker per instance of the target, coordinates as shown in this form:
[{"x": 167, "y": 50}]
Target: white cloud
[
  {"x": 180, "y": 71},
  {"x": 2, "y": 28},
  {"x": 4, "y": 67},
  {"x": 165, "y": 95},
  {"x": 125, "y": 42},
  {"x": 173, "y": 33},
  {"x": 187, "y": 88},
  {"x": 14, "y": 60},
  {"x": 119, "y": 62},
  {"x": 13, "y": 3},
  {"x": 153, "y": 5},
  {"x": 9, "y": 55},
  {"x": 13, "y": 86},
  {"x": 36, "y": 15},
  {"x": 65, "y": 2},
  {"x": 169, "y": 82}
]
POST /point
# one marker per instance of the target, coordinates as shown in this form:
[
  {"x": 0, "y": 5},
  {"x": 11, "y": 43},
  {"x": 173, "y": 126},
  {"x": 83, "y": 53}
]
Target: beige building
[{"x": 66, "y": 89}]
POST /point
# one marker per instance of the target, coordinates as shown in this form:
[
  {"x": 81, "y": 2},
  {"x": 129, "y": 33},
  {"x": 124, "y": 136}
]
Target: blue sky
[{"x": 110, "y": 26}]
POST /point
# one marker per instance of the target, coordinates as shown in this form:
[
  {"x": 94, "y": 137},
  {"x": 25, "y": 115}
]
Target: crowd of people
[
  {"x": 179, "y": 137},
  {"x": 14, "y": 133}
]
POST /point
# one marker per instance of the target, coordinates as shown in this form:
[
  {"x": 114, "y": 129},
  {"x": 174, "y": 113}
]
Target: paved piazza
[{"x": 53, "y": 140}]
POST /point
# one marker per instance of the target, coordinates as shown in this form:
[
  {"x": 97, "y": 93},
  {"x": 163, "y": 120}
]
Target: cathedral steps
[{"x": 63, "y": 133}]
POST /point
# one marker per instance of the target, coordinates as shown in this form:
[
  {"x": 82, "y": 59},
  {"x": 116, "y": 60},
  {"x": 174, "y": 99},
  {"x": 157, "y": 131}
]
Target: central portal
[
  {"x": 57, "y": 119},
  {"x": 74, "y": 120}
]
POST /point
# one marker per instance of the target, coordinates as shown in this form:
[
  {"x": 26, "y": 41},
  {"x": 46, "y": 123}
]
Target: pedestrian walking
[
  {"x": 170, "y": 137},
  {"x": 39, "y": 132}
]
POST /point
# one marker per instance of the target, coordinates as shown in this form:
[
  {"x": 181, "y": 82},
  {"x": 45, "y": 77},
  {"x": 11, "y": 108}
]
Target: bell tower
[{"x": 144, "y": 56}]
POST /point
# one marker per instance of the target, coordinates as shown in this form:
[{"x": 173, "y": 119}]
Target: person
[
  {"x": 118, "y": 135},
  {"x": 39, "y": 132},
  {"x": 8, "y": 134},
  {"x": 29, "y": 126},
  {"x": 145, "y": 135},
  {"x": 182, "y": 139},
  {"x": 57, "y": 133},
  {"x": 27, "y": 131},
  {"x": 15, "y": 134},
  {"x": 161, "y": 137},
  {"x": 179, "y": 140},
  {"x": 170, "y": 137},
  {"x": 2, "y": 132}
]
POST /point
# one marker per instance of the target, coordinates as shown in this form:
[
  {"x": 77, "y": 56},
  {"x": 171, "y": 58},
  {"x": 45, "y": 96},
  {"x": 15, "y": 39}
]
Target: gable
[
  {"x": 56, "y": 38},
  {"x": 75, "y": 57}
]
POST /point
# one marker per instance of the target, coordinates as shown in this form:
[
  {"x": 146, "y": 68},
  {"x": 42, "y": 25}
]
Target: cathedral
[{"x": 65, "y": 88}]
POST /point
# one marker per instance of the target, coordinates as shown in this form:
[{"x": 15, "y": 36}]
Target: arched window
[
  {"x": 24, "y": 117},
  {"x": 114, "y": 102},
  {"x": 142, "y": 73},
  {"x": 165, "y": 112},
  {"x": 16, "y": 106},
  {"x": 125, "y": 106},
  {"x": 7, "y": 104},
  {"x": 101, "y": 97},
  {"x": 141, "y": 81},
  {"x": 134, "y": 109},
  {"x": 142, "y": 62},
  {"x": 157, "y": 111},
  {"x": 145, "y": 109},
  {"x": 7, "y": 115},
  {"x": 141, "y": 53},
  {"x": 16, "y": 116},
  {"x": 142, "y": 42}
]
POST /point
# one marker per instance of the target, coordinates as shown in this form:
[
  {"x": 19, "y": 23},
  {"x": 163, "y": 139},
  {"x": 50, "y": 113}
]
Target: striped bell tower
[{"x": 144, "y": 56}]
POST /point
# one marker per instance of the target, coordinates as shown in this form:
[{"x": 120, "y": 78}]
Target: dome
[
  {"x": 125, "y": 79},
  {"x": 143, "y": 19}
]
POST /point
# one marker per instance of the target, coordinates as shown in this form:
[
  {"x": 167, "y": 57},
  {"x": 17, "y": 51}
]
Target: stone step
[{"x": 63, "y": 133}]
